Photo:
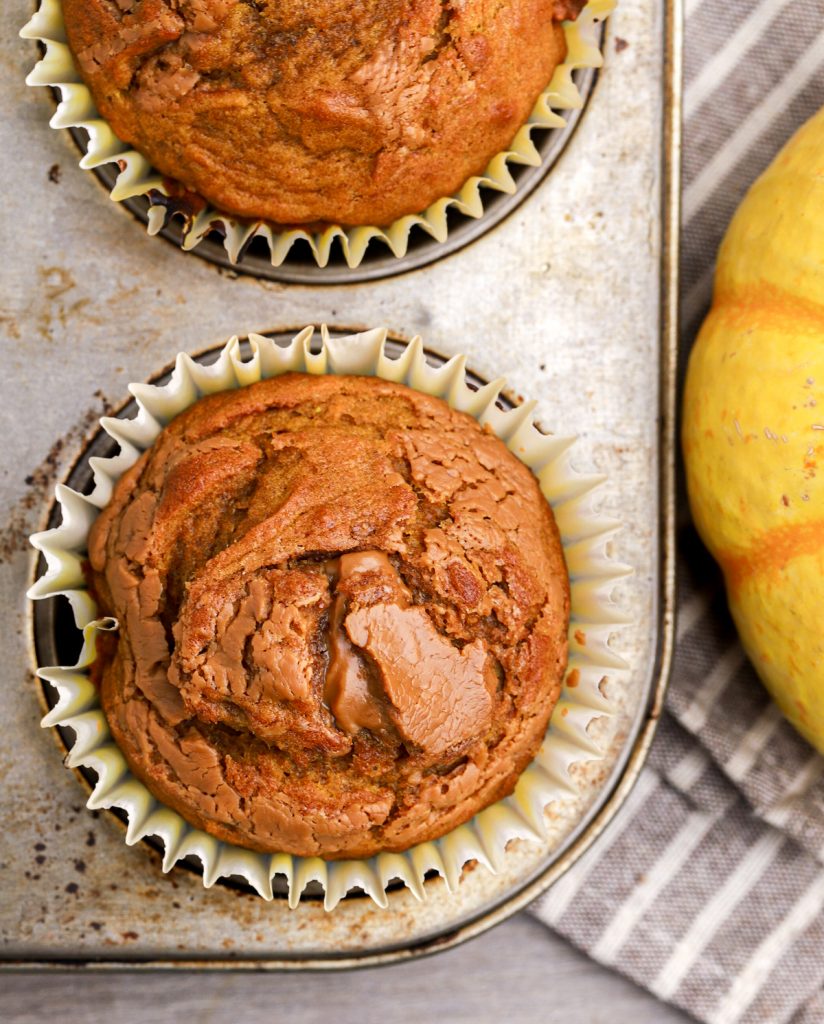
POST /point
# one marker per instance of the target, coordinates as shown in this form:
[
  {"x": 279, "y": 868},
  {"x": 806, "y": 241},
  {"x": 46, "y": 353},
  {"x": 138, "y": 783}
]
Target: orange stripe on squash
[
  {"x": 768, "y": 304},
  {"x": 771, "y": 551}
]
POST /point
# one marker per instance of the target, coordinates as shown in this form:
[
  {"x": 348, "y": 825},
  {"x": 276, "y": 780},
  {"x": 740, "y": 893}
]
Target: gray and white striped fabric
[{"x": 708, "y": 889}]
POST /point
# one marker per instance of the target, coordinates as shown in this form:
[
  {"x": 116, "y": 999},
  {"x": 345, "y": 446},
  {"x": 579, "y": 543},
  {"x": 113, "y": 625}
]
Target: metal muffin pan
[{"x": 572, "y": 297}]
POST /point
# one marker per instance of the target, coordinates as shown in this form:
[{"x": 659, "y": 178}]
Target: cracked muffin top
[
  {"x": 307, "y": 113},
  {"x": 343, "y": 613}
]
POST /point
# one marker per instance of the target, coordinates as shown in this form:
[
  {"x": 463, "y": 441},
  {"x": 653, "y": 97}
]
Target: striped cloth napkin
[{"x": 708, "y": 888}]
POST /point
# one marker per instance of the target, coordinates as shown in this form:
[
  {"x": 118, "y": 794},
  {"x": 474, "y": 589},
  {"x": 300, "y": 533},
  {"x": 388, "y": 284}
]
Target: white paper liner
[
  {"x": 593, "y": 574},
  {"x": 137, "y": 177}
]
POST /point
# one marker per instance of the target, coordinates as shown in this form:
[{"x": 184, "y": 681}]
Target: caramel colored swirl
[{"x": 343, "y": 612}]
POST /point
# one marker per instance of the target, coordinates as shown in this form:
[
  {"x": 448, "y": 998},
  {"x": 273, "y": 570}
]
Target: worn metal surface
[{"x": 564, "y": 297}]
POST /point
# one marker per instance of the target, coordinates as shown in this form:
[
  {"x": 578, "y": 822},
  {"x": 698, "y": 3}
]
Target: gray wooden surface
[{"x": 519, "y": 973}]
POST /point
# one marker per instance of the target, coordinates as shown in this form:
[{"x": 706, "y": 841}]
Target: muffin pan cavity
[
  {"x": 545, "y": 785},
  {"x": 378, "y": 261},
  {"x": 325, "y": 253},
  {"x": 57, "y": 640}
]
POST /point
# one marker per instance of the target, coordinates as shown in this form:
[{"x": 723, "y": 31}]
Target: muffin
[
  {"x": 343, "y": 614},
  {"x": 326, "y": 113}
]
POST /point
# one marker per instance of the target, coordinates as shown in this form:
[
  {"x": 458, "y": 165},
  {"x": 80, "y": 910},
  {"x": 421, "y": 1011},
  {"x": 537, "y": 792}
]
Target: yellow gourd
[{"x": 753, "y": 426}]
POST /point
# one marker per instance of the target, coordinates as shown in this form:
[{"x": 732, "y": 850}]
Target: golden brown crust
[
  {"x": 343, "y": 615},
  {"x": 301, "y": 113}
]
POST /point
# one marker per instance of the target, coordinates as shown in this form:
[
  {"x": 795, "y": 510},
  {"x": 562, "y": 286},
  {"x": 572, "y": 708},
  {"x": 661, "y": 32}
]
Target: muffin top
[
  {"x": 304, "y": 113},
  {"x": 343, "y": 615}
]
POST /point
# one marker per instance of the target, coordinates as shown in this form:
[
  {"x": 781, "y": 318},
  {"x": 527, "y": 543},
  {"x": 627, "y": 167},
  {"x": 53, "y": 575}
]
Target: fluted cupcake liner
[
  {"x": 585, "y": 535},
  {"x": 137, "y": 177}
]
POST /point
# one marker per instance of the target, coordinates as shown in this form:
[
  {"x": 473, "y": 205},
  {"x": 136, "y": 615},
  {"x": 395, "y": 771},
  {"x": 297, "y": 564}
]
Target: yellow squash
[{"x": 753, "y": 426}]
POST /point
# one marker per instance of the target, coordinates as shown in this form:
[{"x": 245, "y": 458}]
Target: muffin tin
[{"x": 571, "y": 297}]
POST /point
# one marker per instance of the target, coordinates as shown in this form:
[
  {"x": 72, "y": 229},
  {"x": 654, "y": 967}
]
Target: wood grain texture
[{"x": 519, "y": 973}]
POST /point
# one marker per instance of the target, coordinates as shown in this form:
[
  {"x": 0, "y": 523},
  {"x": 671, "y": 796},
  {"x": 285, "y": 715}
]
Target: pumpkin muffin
[
  {"x": 343, "y": 614},
  {"x": 302, "y": 114}
]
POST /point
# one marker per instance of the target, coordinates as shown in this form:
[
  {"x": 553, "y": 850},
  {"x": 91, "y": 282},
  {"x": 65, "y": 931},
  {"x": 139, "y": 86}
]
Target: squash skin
[{"x": 753, "y": 426}]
